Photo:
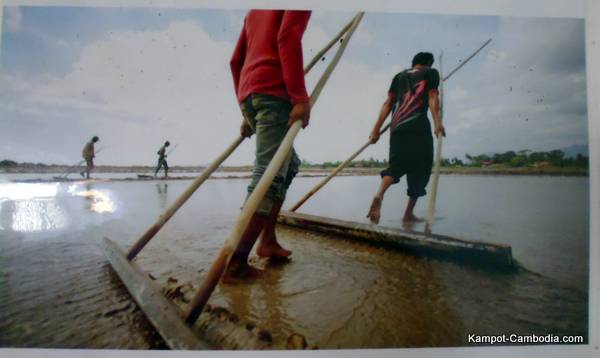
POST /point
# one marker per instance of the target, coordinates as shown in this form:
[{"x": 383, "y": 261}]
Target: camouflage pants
[{"x": 268, "y": 117}]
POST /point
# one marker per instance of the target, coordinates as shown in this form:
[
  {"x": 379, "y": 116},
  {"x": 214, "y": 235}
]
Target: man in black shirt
[
  {"x": 411, "y": 94},
  {"x": 162, "y": 161}
]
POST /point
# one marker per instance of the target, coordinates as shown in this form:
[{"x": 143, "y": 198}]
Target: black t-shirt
[
  {"x": 410, "y": 96},
  {"x": 161, "y": 152}
]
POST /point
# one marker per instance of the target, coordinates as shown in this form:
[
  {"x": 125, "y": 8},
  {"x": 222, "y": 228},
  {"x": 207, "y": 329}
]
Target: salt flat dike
[{"x": 241, "y": 172}]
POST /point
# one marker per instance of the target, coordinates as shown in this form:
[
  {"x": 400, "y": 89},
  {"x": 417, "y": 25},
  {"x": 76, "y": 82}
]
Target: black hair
[
  {"x": 95, "y": 138},
  {"x": 167, "y": 143},
  {"x": 423, "y": 58}
]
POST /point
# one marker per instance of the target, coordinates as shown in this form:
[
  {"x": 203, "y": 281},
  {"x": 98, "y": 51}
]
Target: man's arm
[
  {"x": 386, "y": 108},
  {"x": 237, "y": 59},
  {"x": 236, "y": 63},
  {"x": 434, "y": 107},
  {"x": 289, "y": 42}
]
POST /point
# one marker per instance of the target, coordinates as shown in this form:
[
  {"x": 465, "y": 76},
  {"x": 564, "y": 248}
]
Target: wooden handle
[
  {"x": 338, "y": 169},
  {"x": 328, "y": 46},
  {"x": 438, "y": 159}
]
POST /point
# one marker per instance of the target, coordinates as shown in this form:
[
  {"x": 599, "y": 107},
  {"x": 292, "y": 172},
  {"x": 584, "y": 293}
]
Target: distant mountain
[{"x": 572, "y": 151}]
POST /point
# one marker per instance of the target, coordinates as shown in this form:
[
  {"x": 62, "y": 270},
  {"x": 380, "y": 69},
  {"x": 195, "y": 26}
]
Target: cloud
[
  {"x": 134, "y": 89},
  {"x": 528, "y": 94},
  {"x": 14, "y": 19},
  {"x": 137, "y": 88}
]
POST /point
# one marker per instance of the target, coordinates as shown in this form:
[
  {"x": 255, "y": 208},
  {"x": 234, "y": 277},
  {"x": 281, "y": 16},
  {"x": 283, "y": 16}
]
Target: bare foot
[
  {"x": 237, "y": 273},
  {"x": 272, "y": 251},
  {"x": 375, "y": 210},
  {"x": 408, "y": 225},
  {"x": 412, "y": 218}
]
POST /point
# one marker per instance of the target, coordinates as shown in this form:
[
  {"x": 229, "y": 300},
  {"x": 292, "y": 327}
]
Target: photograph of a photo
[{"x": 276, "y": 179}]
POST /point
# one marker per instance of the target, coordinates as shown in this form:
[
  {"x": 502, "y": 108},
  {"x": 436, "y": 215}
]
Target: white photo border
[{"x": 588, "y": 9}]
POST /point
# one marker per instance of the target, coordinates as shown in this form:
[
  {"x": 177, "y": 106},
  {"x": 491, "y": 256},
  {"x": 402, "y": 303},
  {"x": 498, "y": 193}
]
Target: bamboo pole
[
  {"x": 70, "y": 169},
  {"x": 219, "y": 265},
  {"x": 345, "y": 163},
  {"x": 172, "y": 149},
  {"x": 328, "y": 46},
  {"x": 171, "y": 210},
  {"x": 468, "y": 59},
  {"x": 338, "y": 169},
  {"x": 438, "y": 158}
]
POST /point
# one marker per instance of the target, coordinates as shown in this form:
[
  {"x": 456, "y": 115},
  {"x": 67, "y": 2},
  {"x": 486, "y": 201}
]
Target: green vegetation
[
  {"x": 511, "y": 162},
  {"x": 527, "y": 158},
  {"x": 365, "y": 163},
  {"x": 8, "y": 163},
  {"x": 511, "y": 159}
]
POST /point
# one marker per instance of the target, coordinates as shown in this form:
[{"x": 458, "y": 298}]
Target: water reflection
[
  {"x": 161, "y": 188},
  {"x": 35, "y": 215},
  {"x": 275, "y": 311},
  {"x": 262, "y": 300},
  {"x": 26, "y": 207},
  {"x": 98, "y": 201},
  {"x": 27, "y": 191}
]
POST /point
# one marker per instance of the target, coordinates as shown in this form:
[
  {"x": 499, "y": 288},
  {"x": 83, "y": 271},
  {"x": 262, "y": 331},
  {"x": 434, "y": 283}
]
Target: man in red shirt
[{"x": 268, "y": 75}]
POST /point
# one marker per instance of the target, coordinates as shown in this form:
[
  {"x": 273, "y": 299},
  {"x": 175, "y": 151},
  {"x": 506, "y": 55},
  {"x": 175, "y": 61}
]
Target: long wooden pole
[
  {"x": 468, "y": 59},
  {"x": 345, "y": 163},
  {"x": 328, "y": 46},
  {"x": 171, "y": 210},
  {"x": 172, "y": 149},
  {"x": 338, "y": 169},
  {"x": 218, "y": 267},
  {"x": 70, "y": 169},
  {"x": 438, "y": 159}
]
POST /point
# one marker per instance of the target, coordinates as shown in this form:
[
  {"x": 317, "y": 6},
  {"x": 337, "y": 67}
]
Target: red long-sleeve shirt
[{"x": 268, "y": 56}]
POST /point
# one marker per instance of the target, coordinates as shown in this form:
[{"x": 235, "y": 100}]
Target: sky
[{"x": 139, "y": 76}]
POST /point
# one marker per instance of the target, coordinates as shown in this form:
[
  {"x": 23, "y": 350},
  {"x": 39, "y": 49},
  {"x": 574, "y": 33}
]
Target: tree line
[
  {"x": 522, "y": 158},
  {"x": 364, "y": 163}
]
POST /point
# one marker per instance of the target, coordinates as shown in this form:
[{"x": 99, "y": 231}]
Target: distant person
[
  {"x": 411, "y": 94},
  {"x": 268, "y": 76},
  {"x": 162, "y": 161},
  {"x": 88, "y": 155}
]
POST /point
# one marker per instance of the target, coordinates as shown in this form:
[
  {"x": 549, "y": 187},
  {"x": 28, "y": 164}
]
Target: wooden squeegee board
[
  {"x": 463, "y": 251},
  {"x": 162, "y": 313}
]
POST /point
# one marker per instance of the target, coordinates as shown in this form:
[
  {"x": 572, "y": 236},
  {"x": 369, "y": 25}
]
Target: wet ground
[{"x": 56, "y": 289}]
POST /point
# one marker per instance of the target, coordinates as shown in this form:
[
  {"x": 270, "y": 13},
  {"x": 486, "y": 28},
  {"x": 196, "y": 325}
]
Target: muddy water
[{"x": 56, "y": 289}]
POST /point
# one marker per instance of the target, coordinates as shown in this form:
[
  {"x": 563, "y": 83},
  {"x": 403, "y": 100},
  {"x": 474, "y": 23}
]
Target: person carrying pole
[
  {"x": 411, "y": 93},
  {"x": 88, "y": 155},
  {"x": 269, "y": 81},
  {"x": 162, "y": 162}
]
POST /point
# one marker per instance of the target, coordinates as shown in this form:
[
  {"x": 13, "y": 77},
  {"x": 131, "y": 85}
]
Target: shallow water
[
  {"x": 56, "y": 289},
  {"x": 4, "y": 177}
]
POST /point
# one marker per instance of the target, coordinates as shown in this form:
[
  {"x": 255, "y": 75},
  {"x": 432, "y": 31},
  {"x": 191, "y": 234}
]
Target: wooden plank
[
  {"x": 445, "y": 247},
  {"x": 162, "y": 313}
]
